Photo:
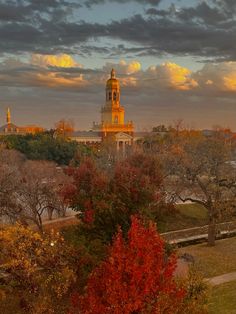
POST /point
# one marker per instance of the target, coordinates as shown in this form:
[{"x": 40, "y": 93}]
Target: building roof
[
  {"x": 88, "y": 134},
  {"x": 9, "y": 126},
  {"x": 112, "y": 82}
]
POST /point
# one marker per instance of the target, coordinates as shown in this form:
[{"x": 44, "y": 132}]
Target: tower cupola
[
  {"x": 113, "y": 91},
  {"x": 8, "y": 116}
]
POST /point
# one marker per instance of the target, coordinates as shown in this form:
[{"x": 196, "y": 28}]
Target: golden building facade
[
  {"x": 112, "y": 113},
  {"x": 10, "y": 128}
]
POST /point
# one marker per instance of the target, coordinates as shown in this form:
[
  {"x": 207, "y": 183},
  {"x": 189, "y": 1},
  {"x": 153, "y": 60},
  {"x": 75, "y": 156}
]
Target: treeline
[
  {"x": 45, "y": 146},
  {"x": 30, "y": 189}
]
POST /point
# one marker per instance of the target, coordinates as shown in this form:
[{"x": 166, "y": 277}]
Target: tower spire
[
  {"x": 113, "y": 73},
  {"x": 8, "y": 116}
]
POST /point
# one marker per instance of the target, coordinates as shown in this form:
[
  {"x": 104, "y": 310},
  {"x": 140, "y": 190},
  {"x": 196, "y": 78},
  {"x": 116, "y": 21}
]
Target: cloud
[
  {"x": 123, "y": 67},
  {"x": 171, "y": 75},
  {"x": 160, "y": 77},
  {"x": 206, "y": 30},
  {"x": 230, "y": 82},
  {"x": 202, "y": 13},
  {"x": 60, "y": 61},
  {"x": 216, "y": 78},
  {"x": 166, "y": 35},
  {"x": 62, "y": 72},
  {"x": 23, "y": 11},
  {"x": 56, "y": 80},
  {"x": 90, "y": 3},
  {"x": 49, "y": 71}
]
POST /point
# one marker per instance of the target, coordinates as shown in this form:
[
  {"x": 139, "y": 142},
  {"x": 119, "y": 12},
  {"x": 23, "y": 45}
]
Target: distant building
[
  {"x": 112, "y": 126},
  {"x": 113, "y": 123},
  {"x": 10, "y": 128}
]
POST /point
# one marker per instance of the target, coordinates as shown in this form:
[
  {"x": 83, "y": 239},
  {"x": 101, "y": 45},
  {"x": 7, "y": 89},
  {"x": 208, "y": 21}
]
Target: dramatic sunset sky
[{"x": 176, "y": 59}]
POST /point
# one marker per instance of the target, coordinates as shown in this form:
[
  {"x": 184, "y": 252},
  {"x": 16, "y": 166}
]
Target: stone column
[
  {"x": 117, "y": 146},
  {"x": 123, "y": 147}
]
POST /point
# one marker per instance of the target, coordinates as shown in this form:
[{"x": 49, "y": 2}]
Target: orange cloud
[
  {"x": 60, "y": 61},
  {"x": 230, "y": 82},
  {"x": 52, "y": 79},
  {"x": 133, "y": 67},
  {"x": 123, "y": 67},
  {"x": 218, "y": 77},
  {"x": 173, "y": 75},
  {"x": 129, "y": 81}
]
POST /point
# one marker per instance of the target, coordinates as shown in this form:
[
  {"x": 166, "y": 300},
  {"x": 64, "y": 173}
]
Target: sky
[{"x": 175, "y": 59}]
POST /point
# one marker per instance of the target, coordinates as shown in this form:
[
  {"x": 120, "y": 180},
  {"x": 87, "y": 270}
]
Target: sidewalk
[
  {"x": 218, "y": 280},
  {"x": 224, "y": 229}
]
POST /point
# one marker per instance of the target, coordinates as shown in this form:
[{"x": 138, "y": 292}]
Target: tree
[
  {"x": 107, "y": 154},
  {"x": 64, "y": 128},
  {"x": 136, "y": 277},
  {"x": 39, "y": 191},
  {"x": 106, "y": 201},
  {"x": 137, "y": 186},
  {"x": 9, "y": 182},
  {"x": 39, "y": 270},
  {"x": 43, "y": 146},
  {"x": 12, "y": 158},
  {"x": 160, "y": 128},
  {"x": 10, "y": 165},
  {"x": 200, "y": 171},
  {"x": 30, "y": 190},
  {"x": 88, "y": 190}
]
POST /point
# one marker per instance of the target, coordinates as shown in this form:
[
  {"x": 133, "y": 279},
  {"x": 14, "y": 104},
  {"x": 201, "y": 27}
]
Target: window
[
  {"x": 109, "y": 95},
  {"x": 116, "y": 119},
  {"x": 114, "y": 96}
]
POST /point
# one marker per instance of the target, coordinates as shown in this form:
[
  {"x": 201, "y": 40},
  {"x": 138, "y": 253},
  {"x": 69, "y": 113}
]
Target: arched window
[
  {"x": 116, "y": 119},
  {"x": 109, "y": 95},
  {"x": 114, "y": 96}
]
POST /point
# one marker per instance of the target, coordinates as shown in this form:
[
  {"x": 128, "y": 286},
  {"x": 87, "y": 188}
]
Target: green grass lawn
[
  {"x": 187, "y": 216},
  {"x": 223, "y": 299},
  {"x": 194, "y": 211},
  {"x": 213, "y": 261}
]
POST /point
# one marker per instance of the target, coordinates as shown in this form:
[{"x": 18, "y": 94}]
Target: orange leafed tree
[
  {"x": 64, "y": 127},
  {"x": 137, "y": 277}
]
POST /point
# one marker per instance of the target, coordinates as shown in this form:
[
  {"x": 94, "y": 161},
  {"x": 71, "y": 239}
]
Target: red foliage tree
[
  {"x": 136, "y": 181},
  {"x": 87, "y": 192},
  {"x": 137, "y": 277},
  {"x": 106, "y": 202}
]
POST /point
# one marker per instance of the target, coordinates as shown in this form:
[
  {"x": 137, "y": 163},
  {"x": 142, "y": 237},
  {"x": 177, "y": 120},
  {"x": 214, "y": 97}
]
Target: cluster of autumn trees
[
  {"x": 37, "y": 271},
  {"x": 105, "y": 201},
  {"x": 114, "y": 260},
  {"x": 199, "y": 168},
  {"x": 29, "y": 189},
  {"x": 54, "y": 145},
  {"x": 43, "y": 273},
  {"x": 179, "y": 166},
  {"x": 44, "y": 146}
]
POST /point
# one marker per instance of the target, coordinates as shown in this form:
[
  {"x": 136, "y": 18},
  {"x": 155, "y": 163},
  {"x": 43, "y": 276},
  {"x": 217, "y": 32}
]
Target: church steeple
[
  {"x": 113, "y": 112},
  {"x": 8, "y": 116},
  {"x": 113, "y": 91},
  {"x": 113, "y": 74}
]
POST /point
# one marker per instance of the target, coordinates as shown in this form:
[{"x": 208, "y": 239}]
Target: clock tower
[{"x": 112, "y": 113}]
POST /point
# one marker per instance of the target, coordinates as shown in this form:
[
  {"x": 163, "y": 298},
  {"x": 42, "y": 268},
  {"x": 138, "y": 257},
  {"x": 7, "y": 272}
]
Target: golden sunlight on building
[
  {"x": 113, "y": 123},
  {"x": 112, "y": 113},
  {"x": 10, "y": 128}
]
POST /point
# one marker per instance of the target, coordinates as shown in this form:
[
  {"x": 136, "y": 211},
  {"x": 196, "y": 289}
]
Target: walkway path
[
  {"x": 60, "y": 219},
  {"x": 199, "y": 233},
  {"x": 218, "y": 280}
]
